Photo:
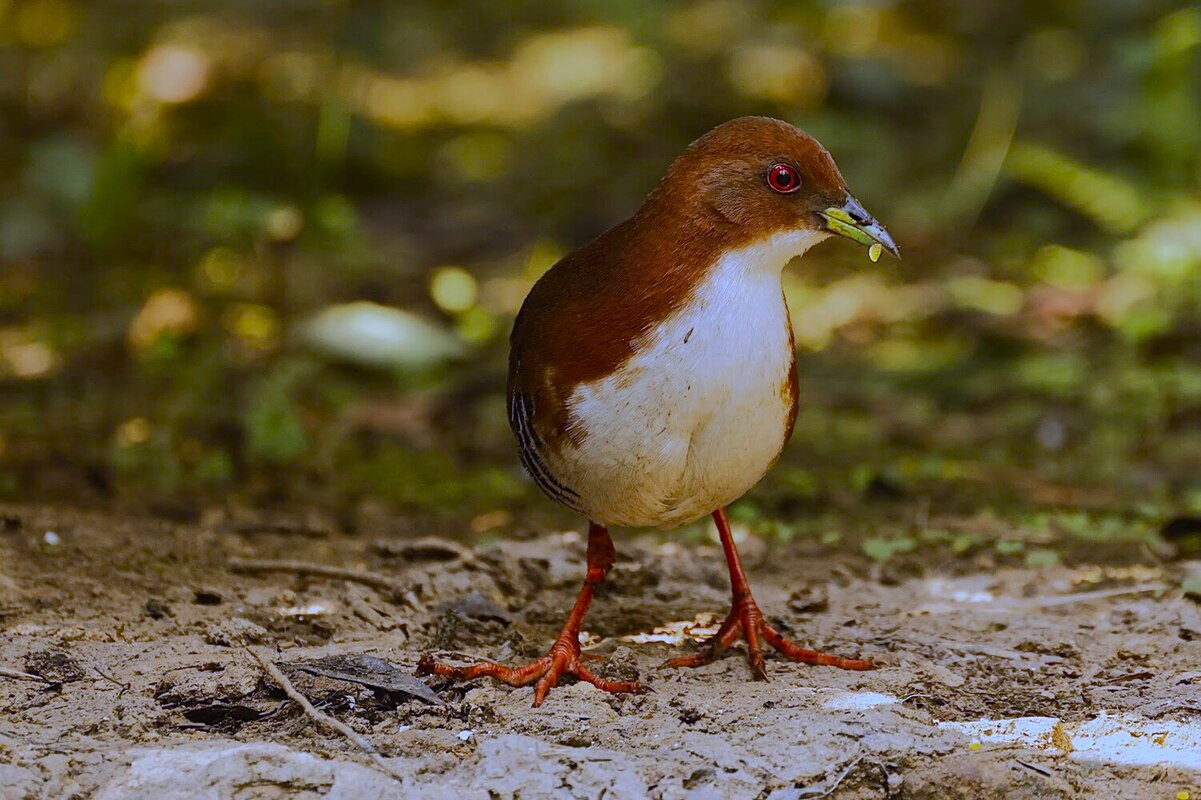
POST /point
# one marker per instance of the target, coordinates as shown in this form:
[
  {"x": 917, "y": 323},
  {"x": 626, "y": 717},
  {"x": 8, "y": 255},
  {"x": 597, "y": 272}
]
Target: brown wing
[{"x": 583, "y": 318}]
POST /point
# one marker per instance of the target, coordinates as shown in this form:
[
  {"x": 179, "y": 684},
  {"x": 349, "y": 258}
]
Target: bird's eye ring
[{"x": 783, "y": 178}]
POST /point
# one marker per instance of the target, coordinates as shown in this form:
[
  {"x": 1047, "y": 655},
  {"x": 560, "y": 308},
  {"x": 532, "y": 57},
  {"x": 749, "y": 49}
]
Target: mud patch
[{"x": 120, "y": 681}]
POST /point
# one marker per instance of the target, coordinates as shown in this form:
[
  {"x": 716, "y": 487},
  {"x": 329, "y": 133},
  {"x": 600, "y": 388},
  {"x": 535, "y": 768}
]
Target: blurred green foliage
[{"x": 272, "y": 249}]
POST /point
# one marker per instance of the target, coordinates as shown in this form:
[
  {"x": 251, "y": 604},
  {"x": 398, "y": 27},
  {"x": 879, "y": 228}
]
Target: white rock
[{"x": 245, "y": 771}]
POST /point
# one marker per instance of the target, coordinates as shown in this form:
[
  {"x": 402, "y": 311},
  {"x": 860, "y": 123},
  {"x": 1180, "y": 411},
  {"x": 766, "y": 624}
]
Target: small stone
[
  {"x": 206, "y": 597},
  {"x": 622, "y": 665},
  {"x": 235, "y": 632},
  {"x": 55, "y": 666},
  {"x": 157, "y": 609}
]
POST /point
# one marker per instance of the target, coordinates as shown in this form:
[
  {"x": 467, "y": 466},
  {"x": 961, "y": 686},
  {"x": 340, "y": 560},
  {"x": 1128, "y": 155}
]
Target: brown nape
[{"x": 588, "y": 311}]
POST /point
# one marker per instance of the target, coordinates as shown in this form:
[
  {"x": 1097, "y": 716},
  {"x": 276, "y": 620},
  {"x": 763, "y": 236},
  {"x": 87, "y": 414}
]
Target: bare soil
[{"x": 127, "y": 672}]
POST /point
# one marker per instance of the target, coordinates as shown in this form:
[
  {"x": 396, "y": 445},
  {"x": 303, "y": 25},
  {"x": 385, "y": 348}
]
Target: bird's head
[{"x": 767, "y": 178}]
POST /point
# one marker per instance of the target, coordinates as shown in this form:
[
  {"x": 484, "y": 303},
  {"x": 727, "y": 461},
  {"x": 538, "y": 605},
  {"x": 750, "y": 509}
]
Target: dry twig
[
  {"x": 825, "y": 791},
  {"x": 125, "y": 687},
  {"x": 1048, "y": 601},
  {"x": 1011, "y": 604},
  {"x": 320, "y": 717},
  {"x": 397, "y": 592},
  {"x": 819, "y": 791},
  {"x": 1002, "y": 652},
  {"x": 16, "y": 674}
]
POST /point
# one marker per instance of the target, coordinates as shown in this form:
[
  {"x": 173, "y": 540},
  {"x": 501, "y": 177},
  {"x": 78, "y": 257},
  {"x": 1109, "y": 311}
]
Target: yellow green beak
[{"x": 852, "y": 221}]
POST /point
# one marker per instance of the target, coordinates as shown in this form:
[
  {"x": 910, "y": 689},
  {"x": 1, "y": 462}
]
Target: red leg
[
  {"x": 746, "y": 618},
  {"x": 564, "y": 657}
]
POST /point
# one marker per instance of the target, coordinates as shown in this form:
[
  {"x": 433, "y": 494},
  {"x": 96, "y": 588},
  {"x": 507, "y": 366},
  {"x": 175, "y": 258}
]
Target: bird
[{"x": 653, "y": 376}]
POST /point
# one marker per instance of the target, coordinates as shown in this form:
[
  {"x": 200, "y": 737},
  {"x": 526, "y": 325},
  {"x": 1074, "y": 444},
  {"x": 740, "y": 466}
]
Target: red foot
[
  {"x": 564, "y": 657},
  {"x": 745, "y": 618}
]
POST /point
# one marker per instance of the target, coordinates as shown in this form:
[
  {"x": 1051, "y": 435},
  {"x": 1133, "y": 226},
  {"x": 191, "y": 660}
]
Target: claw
[{"x": 545, "y": 673}]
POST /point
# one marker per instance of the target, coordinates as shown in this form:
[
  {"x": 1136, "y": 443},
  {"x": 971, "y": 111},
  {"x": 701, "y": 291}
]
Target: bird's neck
[
  {"x": 767, "y": 256},
  {"x": 763, "y": 260}
]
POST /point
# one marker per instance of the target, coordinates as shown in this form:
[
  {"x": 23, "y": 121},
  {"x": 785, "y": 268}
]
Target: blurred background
[{"x": 266, "y": 254}]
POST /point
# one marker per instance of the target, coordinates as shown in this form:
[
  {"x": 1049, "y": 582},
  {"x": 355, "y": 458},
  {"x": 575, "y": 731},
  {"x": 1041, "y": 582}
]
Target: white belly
[{"x": 697, "y": 417}]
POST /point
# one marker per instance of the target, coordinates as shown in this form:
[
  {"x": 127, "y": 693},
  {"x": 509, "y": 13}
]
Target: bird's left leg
[{"x": 745, "y": 618}]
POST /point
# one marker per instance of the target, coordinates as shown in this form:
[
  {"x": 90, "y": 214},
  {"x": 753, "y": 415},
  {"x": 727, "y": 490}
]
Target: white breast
[{"x": 693, "y": 420}]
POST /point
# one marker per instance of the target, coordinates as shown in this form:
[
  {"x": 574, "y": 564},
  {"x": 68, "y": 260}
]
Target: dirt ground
[{"x": 128, "y": 670}]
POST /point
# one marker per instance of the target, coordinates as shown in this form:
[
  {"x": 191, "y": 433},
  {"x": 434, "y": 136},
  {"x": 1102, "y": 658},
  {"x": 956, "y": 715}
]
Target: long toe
[
  {"x": 746, "y": 620},
  {"x": 612, "y": 687},
  {"x": 513, "y": 676},
  {"x": 545, "y": 673},
  {"x": 706, "y": 655},
  {"x": 806, "y": 656}
]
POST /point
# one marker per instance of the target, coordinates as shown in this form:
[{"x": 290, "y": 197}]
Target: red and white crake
[{"x": 652, "y": 374}]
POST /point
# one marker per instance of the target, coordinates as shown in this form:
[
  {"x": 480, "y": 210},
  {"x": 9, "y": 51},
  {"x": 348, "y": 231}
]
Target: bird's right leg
[{"x": 564, "y": 657}]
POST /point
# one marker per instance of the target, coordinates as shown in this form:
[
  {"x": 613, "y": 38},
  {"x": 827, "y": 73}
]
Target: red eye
[{"x": 783, "y": 179}]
